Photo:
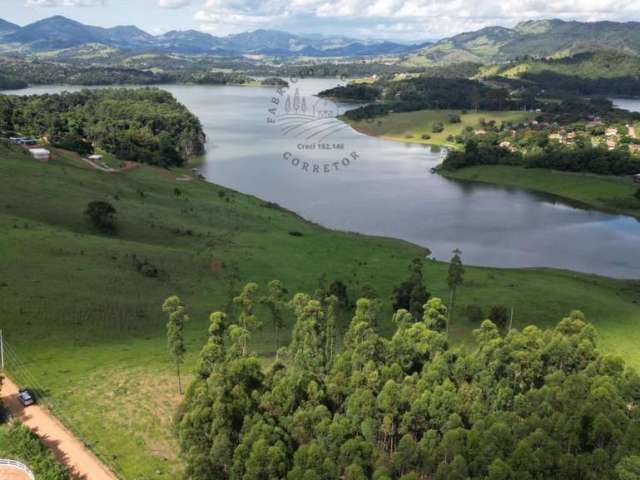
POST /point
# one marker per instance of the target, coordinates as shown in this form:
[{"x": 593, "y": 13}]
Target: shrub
[
  {"x": 453, "y": 118},
  {"x": 499, "y": 315},
  {"x": 102, "y": 216},
  {"x": 74, "y": 143},
  {"x": 637, "y": 194},
  {"x": 145, "y": 267},
  {"x": 437, "y": 128},
  {"x": 27, "y": 448},
  {"x": 474, "y": 313},
  {"x": 425, "y": 136}
]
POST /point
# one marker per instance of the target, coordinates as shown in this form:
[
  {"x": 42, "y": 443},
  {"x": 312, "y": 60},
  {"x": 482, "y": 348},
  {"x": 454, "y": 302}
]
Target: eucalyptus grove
[{"x": 529, "y": 404}]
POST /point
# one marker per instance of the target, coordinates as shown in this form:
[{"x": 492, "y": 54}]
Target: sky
[{"x": 400, "y": 20}]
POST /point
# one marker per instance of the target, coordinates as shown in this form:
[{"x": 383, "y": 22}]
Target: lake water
[
  {"x": 631, "y": 104},
  {"x": 387, "y": 189}
]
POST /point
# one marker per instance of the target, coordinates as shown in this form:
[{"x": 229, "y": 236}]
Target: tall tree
[
  {"x": 247, "y": 320},
  {"x": 275, "y": 303},
  {"x": 175, "y": 332},
  {"x": 455, "y": 278},
  {"x": 412, "y": 294}
]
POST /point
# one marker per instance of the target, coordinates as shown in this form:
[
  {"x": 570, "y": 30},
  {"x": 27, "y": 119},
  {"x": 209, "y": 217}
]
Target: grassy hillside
[
  {"x": 539, "y": 38},
  {"x": 85, "y": 324},
  {"x": 592, "y": 65},
  {"x": 603, "y": 192},
  {"x": 411, "y": 126}
]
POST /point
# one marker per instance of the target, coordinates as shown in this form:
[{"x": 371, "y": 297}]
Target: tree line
[
  {"x": 427, "y": 93},
  {"x": 576, "y": 158},
  {"x": 520, "y": 404},
  {"x": 20, "y": 74},
  {"x": 144, "y": 125}
]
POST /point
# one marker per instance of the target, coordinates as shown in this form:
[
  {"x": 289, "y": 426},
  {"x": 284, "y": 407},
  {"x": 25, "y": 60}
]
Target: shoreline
[
  {"x": 423, "y": 249},
  {"x": 571, "y": 201}
]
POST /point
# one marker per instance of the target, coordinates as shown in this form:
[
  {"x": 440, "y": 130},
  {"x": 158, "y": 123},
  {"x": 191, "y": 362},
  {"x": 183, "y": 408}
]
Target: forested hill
[
  {"x": 604, "y": 72},
  {"x": 145, "y": 125}
]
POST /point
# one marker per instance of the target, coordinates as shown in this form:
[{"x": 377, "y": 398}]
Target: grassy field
[
  {"x": 410, "y": 126},
  {"x": 84, "y": 326},
  {"x": 603, "y": 192}
]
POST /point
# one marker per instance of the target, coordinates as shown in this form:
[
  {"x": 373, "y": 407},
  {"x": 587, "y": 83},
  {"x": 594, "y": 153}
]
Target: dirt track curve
[{"x": 70, "y": 451}]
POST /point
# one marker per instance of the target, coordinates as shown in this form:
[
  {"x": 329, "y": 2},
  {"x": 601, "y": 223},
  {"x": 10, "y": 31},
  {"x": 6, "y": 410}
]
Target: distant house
[
  {"x": 555, "y": 136},
  {"x": 95, "y": 158},
  {"x": 41, "y": 154},
  {"x": 611, "y": 132},
  {"x": 636, "y": 178},
  {"x": 507, "y": 145},
  {"x": 634, "y": 148},
  {"x": 612, "y": 144},
  {"x": 480, "y": 131}
]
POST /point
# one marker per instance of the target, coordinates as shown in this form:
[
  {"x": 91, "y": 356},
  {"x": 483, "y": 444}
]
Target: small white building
[
  {"x": 41, "y": 154},
  {"x": 95, "y": 158}
]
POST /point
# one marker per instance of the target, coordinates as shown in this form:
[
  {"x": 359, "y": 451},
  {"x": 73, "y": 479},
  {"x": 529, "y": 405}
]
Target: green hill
[
  {"x": 588, "y": 65},
  {"x": 539, "y": 38},
  {"x": 603, "y": 72},
  {"x": 81, "y": 311}
]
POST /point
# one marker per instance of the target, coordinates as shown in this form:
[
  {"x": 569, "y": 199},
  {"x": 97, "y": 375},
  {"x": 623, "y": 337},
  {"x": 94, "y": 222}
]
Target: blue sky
[{"x": 408, "y": 20}]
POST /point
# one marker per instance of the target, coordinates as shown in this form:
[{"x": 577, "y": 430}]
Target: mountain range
[
  {"x": 57, "y": 33},
  {"x": 537, "y": 38}
]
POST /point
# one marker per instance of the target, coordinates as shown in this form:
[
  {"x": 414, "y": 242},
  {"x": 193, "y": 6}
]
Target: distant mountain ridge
[
  {"x": 58, "y": 33},
  {"x": 539, "y": 38},
  {"x": 7, "y": 27}
]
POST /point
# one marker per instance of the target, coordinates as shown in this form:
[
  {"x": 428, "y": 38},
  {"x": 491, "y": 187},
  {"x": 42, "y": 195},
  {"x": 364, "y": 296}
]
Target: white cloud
[
  {"x": 409, "y": 18},
  {"x": 174, "y": 3},
  {"x": 226, "y": 16},
  {"x": 64, "y": 3}
]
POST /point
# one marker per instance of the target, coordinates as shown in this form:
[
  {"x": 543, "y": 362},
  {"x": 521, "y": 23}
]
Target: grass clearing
[
  {"x": 87, "y": 327},
  {"x": 603, "y": 192},
  {"x": 411, "y": 126}
]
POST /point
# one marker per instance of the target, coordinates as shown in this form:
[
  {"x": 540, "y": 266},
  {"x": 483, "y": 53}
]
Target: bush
[
  {"x": 27, "y": 448},
  {"x": 74, "y": 143},
  {"x": 102, "y": 216},
  {"x": 426, "y": 136},
  {"x": 499, "y": 315},
  {"x": 637, "y": 194},
  {"x": 453, "y": 118},
  {"x": 474, "y": 313},
  {"x": 437, "y": 128}
]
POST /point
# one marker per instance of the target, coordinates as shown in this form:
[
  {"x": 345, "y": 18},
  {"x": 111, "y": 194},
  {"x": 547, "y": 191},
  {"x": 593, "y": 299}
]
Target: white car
[{"x": 25, "y": 397}]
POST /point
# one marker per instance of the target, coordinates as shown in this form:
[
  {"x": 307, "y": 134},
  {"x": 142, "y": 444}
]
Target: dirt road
[{"x": 67, "y": 448}]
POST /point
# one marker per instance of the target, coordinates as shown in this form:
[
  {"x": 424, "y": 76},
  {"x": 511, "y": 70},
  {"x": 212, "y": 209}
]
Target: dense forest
[
  {"x": 589, "y": 73},
  {"x": 10, "y": 83},
  {"x": 437, "y": 93},
  {"x": 530, "y": 404},
  {"x": 145, "y": 125},
  {"x": 49, "y": 73}
]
